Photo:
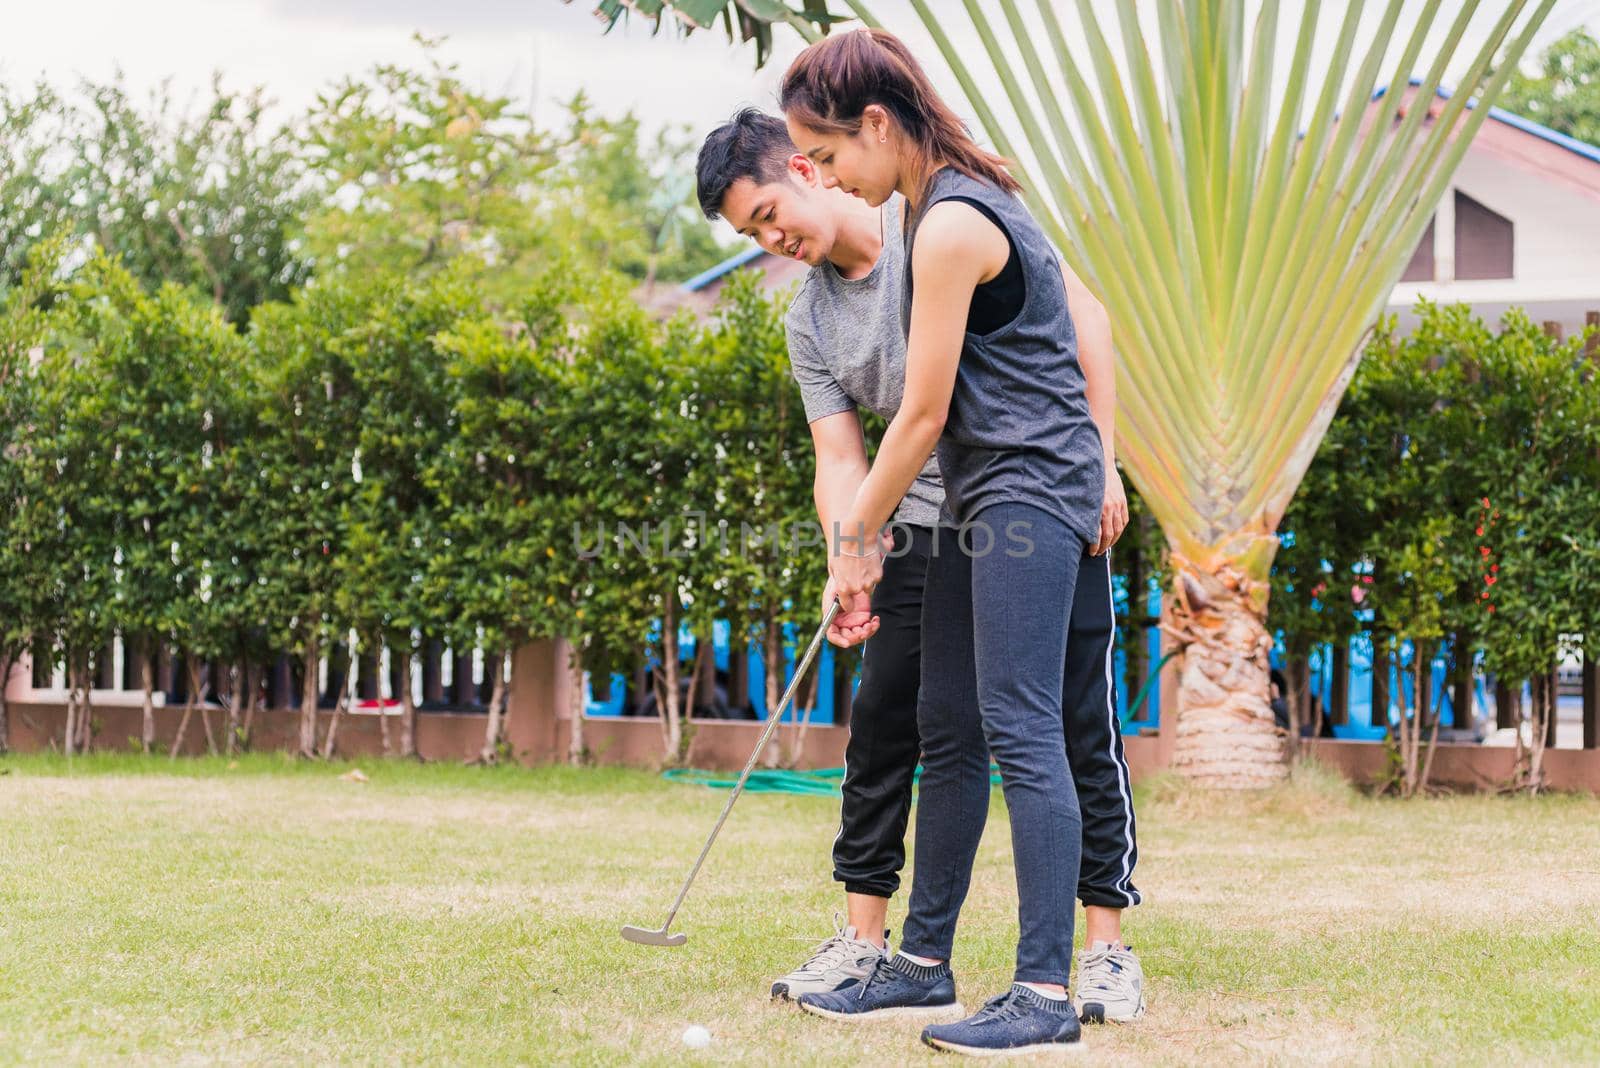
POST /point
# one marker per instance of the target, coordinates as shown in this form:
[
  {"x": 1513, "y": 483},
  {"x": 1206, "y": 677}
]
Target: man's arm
[
  {"x": 841, "y": 468},
  {"x": 841, "y": 458},
  {"x": 1097, "y": 357},
  {"x": 841, "y": 465}
]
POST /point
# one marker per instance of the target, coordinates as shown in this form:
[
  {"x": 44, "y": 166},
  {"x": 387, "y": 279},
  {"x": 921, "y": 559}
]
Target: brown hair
[{"x": 831, "y": 83}]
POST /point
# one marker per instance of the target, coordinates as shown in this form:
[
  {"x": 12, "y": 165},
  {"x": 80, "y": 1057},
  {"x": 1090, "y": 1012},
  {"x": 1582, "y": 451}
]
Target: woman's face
[{"x": 863, "y": 164}]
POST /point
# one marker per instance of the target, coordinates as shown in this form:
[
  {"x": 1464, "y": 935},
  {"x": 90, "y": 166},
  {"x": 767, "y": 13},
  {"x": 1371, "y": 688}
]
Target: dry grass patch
[{"x": 272, "y": 913}]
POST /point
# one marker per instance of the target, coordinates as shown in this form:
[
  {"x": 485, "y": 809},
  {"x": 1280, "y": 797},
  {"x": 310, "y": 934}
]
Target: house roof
[
  {"x": 1519, "y": 122},
  {"x": 732, "y": 263}
]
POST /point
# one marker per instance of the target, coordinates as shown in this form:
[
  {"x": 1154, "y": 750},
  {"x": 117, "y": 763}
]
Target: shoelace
[
  {"x": 880, "y": 967},
  {"x": 1003, "y": 1007},
  {"x": 1117, "y": 980},
  {"x": 829, "y": 953}
]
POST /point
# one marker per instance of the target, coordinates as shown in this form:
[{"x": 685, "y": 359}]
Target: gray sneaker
[
  {"x": 1110, "y": 984},
  {"x": 841, "y": 961}
]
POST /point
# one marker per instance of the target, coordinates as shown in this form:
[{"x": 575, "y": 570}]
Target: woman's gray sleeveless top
[{"x": 1019, "y": 426}]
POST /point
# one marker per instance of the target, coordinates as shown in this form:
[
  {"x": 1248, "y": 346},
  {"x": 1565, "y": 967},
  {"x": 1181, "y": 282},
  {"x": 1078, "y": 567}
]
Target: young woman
[{"x": 992, "y": 380}]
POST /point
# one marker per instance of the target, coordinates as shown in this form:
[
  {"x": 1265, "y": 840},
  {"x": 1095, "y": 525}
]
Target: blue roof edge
[
  {"x": 1526, "y": 125},
  {"x": 732, "y": 263}
]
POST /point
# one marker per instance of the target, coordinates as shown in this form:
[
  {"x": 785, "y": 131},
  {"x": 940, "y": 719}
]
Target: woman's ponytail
[{"x": 830, "y": 84}]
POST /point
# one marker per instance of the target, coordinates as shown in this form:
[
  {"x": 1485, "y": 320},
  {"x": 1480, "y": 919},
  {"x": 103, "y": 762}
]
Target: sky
[{"x": 538, "y": 51}]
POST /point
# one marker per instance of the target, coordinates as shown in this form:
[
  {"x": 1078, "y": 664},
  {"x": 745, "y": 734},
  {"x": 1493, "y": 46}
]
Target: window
[
  {"x": 1420, "y": 269},
  {"x": 1484, "y": 241}
]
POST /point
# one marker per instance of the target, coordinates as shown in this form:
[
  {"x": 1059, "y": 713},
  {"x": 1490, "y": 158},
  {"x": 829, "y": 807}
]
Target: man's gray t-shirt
[{"x": 847, "y": 351}]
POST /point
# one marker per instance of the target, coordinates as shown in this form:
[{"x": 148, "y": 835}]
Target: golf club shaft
[{"x": 773, "y": 718}]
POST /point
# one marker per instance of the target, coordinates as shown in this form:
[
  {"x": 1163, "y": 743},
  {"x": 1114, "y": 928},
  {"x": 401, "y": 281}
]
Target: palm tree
[{"x": 1244, "y": 230}]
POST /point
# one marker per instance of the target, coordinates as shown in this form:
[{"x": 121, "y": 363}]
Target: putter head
[{"x": 647, "y": 937}]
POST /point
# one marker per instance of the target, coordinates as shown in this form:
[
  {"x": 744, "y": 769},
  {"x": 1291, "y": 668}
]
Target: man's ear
[{"x": 801, "y": 167}]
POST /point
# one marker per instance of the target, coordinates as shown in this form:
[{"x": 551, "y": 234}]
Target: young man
[{"x": 847, "y": 351}]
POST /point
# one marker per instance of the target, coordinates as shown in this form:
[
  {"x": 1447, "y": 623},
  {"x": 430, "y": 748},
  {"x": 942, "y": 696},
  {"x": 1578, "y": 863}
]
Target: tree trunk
[
  {"x": 806, "y": 700},
  {"x": 1380, "y": 680},
  {"x": 772, "y": 658},
  {"x": 575, "y": 744},
  {"x": 1399, "y": 741},
  {"x": 197, "y": 688},
  {"x": 69, "y": 737},
  {"x": 309, "y": 691},
  {"x": 383, "y": 706},
  {"x": 347, "y": 694},
  {"x": 6, "y": 664},
  {"x": 252, "y": 691},
  {"x": 497, "y": 703},
  {"x": 147, "y": 683},
  {"x": 232, "y": 684},
  {"x": 1297, "y": 680},
  {"x": 408, "y": 709},
  {"x": 1135, "y": 644},
  {"x": 667, "y": 681},
  {"x": 1339, "y": 690},
  {"x": 1461, "y": 717},
  {"x": 190, "y": 696},
  {"x": 1422, "y": 680},
  {"x": 1505, "y": 714},
  {"x": 86, "y": 710},
  {"x": 1226, "y": 736},
  {"x": 1542, "y": 707}
]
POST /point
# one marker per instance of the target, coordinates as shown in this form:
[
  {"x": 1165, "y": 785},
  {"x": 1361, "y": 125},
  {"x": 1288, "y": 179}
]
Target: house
[{"x": 1518, "y": 227}]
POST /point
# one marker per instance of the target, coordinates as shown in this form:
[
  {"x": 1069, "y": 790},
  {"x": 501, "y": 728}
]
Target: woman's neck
[{"x": 915, "y": 180}]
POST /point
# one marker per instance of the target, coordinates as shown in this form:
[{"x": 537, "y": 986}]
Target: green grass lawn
[{"x": 198, "y": 912}]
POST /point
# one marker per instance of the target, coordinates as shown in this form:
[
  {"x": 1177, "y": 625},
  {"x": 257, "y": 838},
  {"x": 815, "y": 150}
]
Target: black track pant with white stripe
[{"x": 881, "y": 757}]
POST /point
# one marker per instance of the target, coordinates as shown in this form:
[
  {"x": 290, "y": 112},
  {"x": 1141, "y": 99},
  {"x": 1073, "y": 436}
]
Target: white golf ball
[{"x": 696, "y": 1037}]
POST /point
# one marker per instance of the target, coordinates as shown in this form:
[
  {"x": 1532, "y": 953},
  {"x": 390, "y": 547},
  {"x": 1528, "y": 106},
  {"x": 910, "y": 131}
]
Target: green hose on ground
[{"x": 825, "y": 782}]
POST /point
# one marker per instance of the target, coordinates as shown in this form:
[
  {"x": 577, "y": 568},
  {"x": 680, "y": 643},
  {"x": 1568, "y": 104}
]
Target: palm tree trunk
[{"x": 1226, "y": 735}]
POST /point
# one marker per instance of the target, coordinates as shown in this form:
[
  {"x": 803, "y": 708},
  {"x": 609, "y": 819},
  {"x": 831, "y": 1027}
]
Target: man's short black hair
[{"x": 751, "y": 145}]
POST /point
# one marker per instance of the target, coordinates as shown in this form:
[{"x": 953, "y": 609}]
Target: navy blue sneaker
[
  {"x": 895, "y": 987},
  {"x": 1019, "y": 1021}
]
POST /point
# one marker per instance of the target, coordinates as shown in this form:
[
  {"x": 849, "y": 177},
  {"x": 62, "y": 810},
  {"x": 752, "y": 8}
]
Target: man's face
[{"x": 790, "y": 217}]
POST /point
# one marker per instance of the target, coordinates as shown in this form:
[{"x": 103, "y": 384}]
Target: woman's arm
[{"x": 957, "y": 249}]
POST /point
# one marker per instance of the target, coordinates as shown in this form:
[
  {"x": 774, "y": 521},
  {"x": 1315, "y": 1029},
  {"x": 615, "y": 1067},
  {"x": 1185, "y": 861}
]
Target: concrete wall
[{"x": 539, "y": 724}]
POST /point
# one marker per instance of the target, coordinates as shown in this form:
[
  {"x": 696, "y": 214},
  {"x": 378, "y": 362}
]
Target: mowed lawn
[{"x": 267, "y": 912}]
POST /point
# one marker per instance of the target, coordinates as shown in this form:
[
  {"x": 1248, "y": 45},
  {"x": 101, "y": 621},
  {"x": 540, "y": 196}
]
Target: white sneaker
[
  {"x": 1110, "y": 984},
  {"x": 841, "y": 961}
]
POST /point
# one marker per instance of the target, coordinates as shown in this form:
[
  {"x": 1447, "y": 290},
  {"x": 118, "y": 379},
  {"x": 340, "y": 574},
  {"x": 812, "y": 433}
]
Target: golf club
[{"x": 646, "y": 936}]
